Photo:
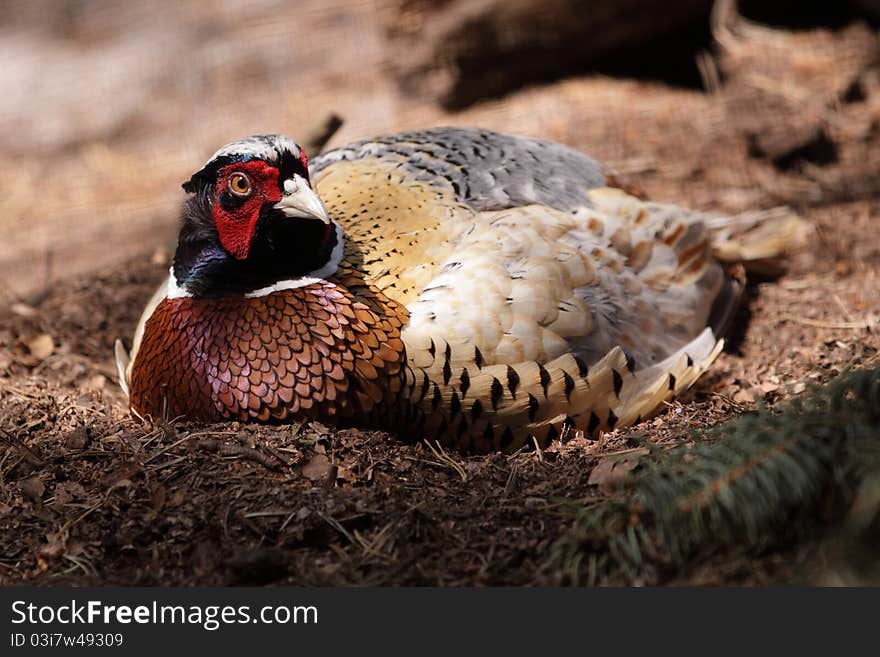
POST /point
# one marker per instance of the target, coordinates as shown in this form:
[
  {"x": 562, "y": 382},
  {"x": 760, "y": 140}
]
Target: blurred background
[{"x": 108, "y": 106}]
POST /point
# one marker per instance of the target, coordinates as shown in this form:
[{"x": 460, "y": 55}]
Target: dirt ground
[{"x": 90, "y": 496}]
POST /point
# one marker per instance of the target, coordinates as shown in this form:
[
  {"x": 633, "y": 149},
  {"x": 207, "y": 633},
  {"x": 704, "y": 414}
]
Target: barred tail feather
[
  {"x": 505, "y": 406},
  {"x": 675, "y": 374}
]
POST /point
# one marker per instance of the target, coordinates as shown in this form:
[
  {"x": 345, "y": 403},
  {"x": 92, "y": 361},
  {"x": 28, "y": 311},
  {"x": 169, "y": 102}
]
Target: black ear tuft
[
  {"x": 208, "y": 173},
  {"x": 200, "y": 177}
]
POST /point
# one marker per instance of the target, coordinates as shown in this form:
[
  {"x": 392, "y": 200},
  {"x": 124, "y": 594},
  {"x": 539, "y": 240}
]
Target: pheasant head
[
  {"x": 258, "y": 318},
  {"x": 251, "y": 221}
]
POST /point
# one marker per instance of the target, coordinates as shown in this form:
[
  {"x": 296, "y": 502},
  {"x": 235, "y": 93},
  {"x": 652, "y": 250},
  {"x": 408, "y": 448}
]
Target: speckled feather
[{"x": 493, "y": 289}]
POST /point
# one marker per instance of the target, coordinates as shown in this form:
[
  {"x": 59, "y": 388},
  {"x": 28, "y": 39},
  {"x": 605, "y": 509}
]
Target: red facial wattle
[{"x": 236, "y": 226}]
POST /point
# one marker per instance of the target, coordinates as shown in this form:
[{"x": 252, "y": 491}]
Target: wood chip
[{"x": 23, "y": 310}]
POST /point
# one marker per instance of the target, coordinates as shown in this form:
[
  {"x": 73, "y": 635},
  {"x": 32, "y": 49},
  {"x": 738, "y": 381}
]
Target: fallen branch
[{"x": 867, "y": 323}]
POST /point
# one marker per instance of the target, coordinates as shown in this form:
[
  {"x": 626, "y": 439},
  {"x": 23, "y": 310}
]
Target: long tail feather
[{"x": 756, "y": 236}]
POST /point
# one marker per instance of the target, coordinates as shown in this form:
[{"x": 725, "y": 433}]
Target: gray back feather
[{"x": 487, "y": 170}]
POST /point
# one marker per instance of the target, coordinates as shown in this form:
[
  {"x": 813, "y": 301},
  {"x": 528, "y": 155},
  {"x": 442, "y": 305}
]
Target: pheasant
[{"x": 473, "y": 288}]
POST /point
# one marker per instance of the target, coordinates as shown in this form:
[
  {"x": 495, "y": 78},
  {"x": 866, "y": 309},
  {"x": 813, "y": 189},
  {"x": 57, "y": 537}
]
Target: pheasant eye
[{"x": 239, "y": 184}]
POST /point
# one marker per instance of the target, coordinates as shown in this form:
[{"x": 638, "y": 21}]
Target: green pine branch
[{"x": 756, "y": 481}]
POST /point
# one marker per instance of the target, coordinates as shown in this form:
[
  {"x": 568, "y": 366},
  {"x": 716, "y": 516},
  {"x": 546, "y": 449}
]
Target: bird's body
[{"x": 474, "y": 288}]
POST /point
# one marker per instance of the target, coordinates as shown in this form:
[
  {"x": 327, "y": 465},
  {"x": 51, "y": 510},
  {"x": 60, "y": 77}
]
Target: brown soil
[{"x": 90, "y": 496}]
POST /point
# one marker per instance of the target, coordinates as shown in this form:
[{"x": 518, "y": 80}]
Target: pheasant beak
[{"x": 301, "y": 201}]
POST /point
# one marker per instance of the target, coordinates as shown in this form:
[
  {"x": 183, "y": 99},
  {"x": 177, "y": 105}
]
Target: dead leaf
[
  {"x": 744, "y": 397},
  {"x": 177, "y": 498},
  {"x": 33, "y": 488},
  {"x": 121, "y": 476},
  {"x": 157, "y": 497},
  {"x": 78, "y": 438},
  {"x": 610, "y": 471},
  {"x": 42, "y": 346},
  {"x": 345, "y": 473},
  {"x": 318, "y": 468},
  {"x": 56, "y": 545},
  {"x": 68, "y": 491}
]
